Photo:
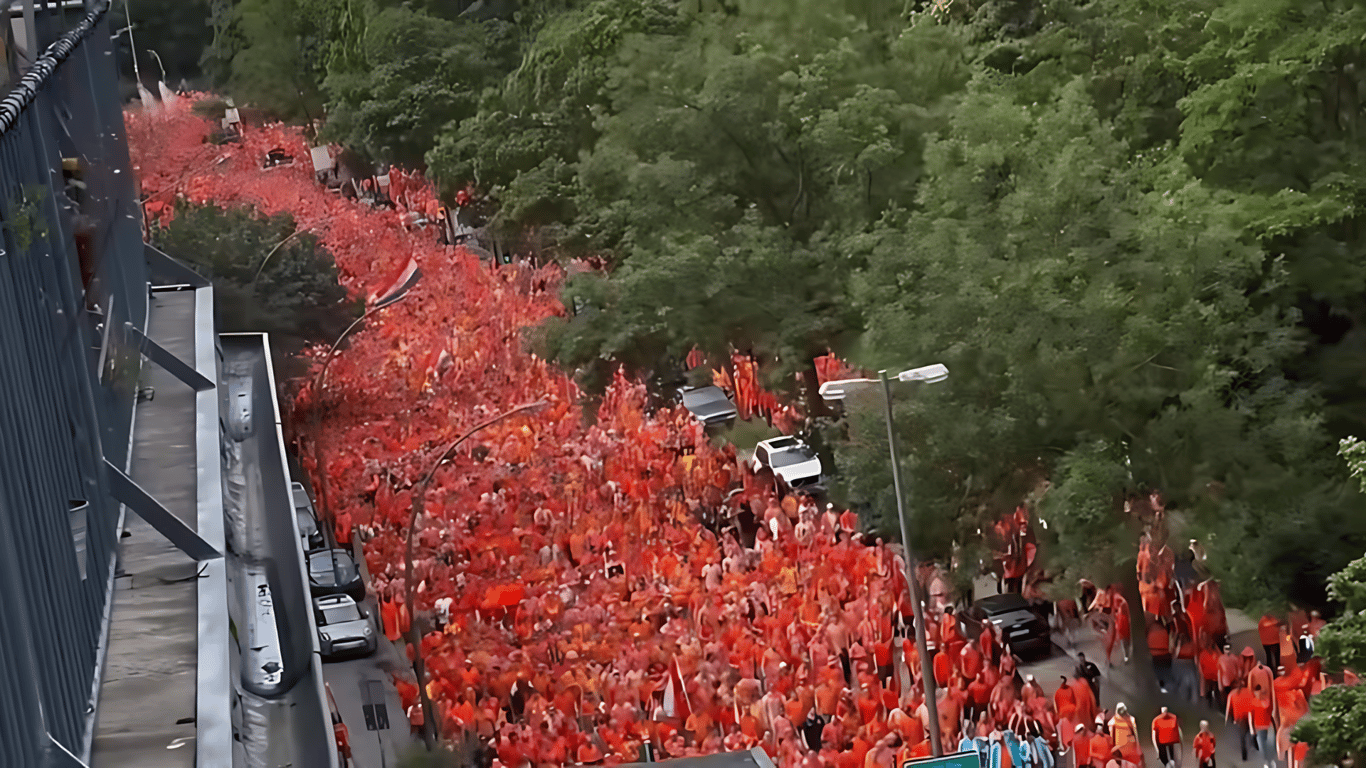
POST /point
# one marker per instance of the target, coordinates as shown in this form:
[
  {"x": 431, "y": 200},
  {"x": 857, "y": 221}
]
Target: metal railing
[{"x": 72, "y": 273}]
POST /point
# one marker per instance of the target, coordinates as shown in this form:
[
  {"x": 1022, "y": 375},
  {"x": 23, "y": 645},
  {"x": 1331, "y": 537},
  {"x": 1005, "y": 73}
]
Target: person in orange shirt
[
  {"x": 1064, "y": 700},
  {"x": 1100, "y": 748},
  {"x": 1204, "y": 746},
  {"x": 1262, "y": 724},
  {"x": 1269, "y": 632},
  {"x": 1081, "y": 746},
  {"x": 1207, "y": 663},
  {"x": 1166, "y": 733}
]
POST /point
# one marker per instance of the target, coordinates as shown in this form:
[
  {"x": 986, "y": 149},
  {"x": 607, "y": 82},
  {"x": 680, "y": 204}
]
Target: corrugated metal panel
[{"x": 70, "y": 264}]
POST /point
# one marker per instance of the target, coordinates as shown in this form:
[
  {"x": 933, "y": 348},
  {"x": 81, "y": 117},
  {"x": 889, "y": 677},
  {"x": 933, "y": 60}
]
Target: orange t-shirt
[
  {"x": 1268, "y": 629},
  {"x": 1101, "y": 747},
  {"x": 882, "y": 654},
  {"x": 867, "y": 708},
  {"x": 1204, "y": 746},
  {"x": 1261, "y": 714},
  {"x": 1167, "y": 729},
  {"x": 1081, "y": 745}
]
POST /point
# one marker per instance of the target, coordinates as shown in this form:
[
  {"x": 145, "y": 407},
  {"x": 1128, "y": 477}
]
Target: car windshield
[
  {"x": 1002, "y": 603},
  {"x": 781, "y": 443},
  {"x": 322, "y": 570},
  {"x": 340, "y": 613},
  {"x": 792, "y": 456}
]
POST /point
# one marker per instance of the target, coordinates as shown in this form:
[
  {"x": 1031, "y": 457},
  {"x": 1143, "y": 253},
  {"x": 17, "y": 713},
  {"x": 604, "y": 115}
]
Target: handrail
[{"x": 26, "y": 90}]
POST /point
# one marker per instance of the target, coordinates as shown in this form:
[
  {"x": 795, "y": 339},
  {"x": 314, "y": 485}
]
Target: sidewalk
[{"x": 1118, "y": 684}]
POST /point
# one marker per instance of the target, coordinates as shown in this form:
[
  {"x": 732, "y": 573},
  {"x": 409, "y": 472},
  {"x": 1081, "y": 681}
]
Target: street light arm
[{"x": 912, "y": 581}]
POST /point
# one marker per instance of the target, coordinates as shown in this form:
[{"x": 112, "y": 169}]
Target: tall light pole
[
  {"x": 415, "y": 514},
  {"x": 388, "y": 300},
  {"x": 837, "y": 390}
]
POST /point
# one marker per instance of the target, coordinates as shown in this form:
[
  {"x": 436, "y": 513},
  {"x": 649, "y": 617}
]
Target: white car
[
  {"x": 793, "y": 461},
  {"x": 343, "y": 627}
]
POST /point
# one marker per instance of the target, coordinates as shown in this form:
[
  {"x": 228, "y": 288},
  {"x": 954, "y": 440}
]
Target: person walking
[
  {"x": 1237, "y": 711},
  {"x": 1089, "y": 672},
  {"x": 1269, "y": 631},
  {"x": 1262, "y": 725},
  {"x": 1160, "y": 648},
  {"x": 1123, "y": 729},
  {"x": 1204, "y": 746},
  {"x": 1166, "y": 733}
]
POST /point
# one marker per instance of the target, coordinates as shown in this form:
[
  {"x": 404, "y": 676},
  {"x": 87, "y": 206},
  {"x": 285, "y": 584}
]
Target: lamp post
[
  {"x": 415, "y": 514},
  {"x": 393, "y": 297},
  {"x": 837, "y": 390}
]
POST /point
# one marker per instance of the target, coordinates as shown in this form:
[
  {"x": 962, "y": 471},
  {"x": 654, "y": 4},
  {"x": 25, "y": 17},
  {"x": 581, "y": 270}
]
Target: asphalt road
[{"x": 369, "y": 704}]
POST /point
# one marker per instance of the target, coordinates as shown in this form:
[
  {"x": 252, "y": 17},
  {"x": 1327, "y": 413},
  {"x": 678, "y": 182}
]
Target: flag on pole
[{"x": 675, "y": 694}]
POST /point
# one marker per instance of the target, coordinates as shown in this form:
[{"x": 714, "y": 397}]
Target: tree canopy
[{"x": 1129, "y": 229}]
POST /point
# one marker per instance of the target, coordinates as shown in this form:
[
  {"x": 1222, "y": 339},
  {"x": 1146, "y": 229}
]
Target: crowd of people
[{"x": 591, "y": 593}]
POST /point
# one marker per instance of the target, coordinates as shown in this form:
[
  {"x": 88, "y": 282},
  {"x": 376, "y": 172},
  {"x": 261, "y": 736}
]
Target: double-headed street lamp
[
  {"x": 388, "y": 300},
  {"x": 837, "y": 390}
]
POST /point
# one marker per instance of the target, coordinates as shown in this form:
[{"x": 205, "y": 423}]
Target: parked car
[
  {"x": 333, "y": 572},
  {"x": 310, "y": 538},
  {"x": 1022, "y": 627},
  {"x": 792, "y": 460},
  {"x": 708, "y": 405},
  {"x": 343, "y": 627}
]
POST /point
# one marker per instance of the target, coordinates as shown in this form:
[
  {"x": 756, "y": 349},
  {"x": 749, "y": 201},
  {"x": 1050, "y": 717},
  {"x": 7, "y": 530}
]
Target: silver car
[
  {"x": 343, "y": 627},
  {"x": 310, "y": 538}
]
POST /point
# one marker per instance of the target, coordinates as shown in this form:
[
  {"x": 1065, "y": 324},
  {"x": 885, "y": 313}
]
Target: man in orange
[
  {"x": 1240, "y": 701},
  {"x": 1100, "y": 748},
  {"x": 1167, "y": 738},
  {"x": 1207, "y": 662},
  {"x": 1269, "y": 632},
  {"x": 1204, "y": 746}
]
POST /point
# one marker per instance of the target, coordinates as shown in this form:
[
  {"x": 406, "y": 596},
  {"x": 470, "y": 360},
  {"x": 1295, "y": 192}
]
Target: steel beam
[
  {"x": 173, "y": 365},
  {"x": 167, "y": 524}
]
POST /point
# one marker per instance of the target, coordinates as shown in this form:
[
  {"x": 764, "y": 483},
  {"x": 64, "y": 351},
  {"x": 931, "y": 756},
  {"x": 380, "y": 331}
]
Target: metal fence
[{"x": 71, "y": 274}]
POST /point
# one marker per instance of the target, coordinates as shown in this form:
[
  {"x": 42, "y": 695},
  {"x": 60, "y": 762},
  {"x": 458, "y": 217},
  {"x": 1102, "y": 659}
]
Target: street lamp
[
  {"x": 415, "y": 514},
  {"x": 837, "y": 390},
  {"x": 388, "y": 300}
]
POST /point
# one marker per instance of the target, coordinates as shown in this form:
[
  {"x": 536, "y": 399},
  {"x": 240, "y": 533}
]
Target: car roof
[
  {"x": 705, "y": 394},
  {"x": 782, "y": 441},
  {"x": 1009, "y": 601}
]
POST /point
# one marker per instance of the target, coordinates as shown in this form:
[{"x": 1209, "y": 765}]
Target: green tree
[
  {"x": 1107, "y": 325},
  {"x": 270, "y": 54},
  {"x": 1336, "y": 724},
  {"x": 267, "y": 275},
  {"x": 409, "y": 77}
]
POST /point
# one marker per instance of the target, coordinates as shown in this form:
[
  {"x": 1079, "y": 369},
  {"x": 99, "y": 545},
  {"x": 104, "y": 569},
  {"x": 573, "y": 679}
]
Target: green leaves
[
  {"x": 1336, "y": 723},
  {"x": 267, "y": 276}
]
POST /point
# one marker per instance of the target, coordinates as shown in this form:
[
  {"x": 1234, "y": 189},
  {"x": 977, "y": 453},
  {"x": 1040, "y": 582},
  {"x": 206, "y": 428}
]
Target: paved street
[{"x": 380, "y": 735}]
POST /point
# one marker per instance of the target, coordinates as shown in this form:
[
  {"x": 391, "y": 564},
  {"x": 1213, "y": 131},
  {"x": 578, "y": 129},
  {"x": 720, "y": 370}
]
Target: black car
[
  {"x": 1022, "y": 626},
  {"x": 333, "y": 572}
]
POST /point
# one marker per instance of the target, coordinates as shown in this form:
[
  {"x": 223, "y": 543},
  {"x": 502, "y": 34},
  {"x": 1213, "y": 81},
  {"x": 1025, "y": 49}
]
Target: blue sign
[{"x": 956, "y": 760}]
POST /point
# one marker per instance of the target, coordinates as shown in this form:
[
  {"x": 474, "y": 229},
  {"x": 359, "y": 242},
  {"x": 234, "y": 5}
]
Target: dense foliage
[
  {"x": 267, "y": 275},
  {"x": 1128, "y": 228}
]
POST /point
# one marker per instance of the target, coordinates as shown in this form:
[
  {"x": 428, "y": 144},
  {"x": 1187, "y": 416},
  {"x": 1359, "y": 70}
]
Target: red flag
[{"x": 676, "y": 694}]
